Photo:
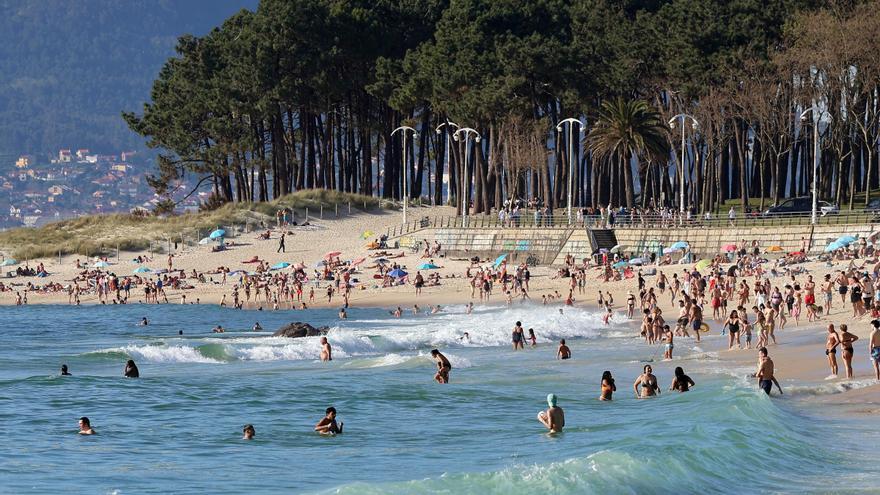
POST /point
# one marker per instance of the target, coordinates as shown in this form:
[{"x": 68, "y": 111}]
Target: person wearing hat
[{"x": 553, "y": 418}]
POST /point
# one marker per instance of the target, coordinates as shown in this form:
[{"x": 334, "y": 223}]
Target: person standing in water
[
  {"x": 563, "y": 352},
  {"x": 517, "y": 336},
  {"x": 326, "y": 350},
  {"x": 765, "y": 375},
  {"x": 64, "y": 371},
  {"x": 670, "y": 345},
  {"x": 248, "y": 431},
  {"x": 681, "y": 382},
  {"x": 608, "y": 386},
  {"x": 443, "y": 367},
  {"x": 646, "y": 384},
  {"x": 846, "y": 342},
  {"x": 831, "y": 345},
  {"x": 85, "y": 426},
  {"x": 533, "y": 341},
  {"x": 327, "y": 425},
  {"x": 874, "y": 347},
  {"x": 131, "y": 370},
  {"x": 554, "y": 417}
]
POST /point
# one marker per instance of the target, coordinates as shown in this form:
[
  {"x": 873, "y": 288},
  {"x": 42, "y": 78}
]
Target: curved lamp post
[
  {"x": 818, "y": 116},
  {"x": 571, "y": 122},
  {"x": 448, "y": 162},
  {"x": 694, "y": 125},
  {"x": 465, "y": 189},
  {"x": 405, "y": 171}
]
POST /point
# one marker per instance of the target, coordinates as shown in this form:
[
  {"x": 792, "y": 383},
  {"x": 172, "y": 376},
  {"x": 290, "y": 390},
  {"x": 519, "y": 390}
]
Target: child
[{"x": 606, "y": 319}]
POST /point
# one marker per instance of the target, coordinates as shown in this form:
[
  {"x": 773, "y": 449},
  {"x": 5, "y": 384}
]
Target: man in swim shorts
[
  {"x": 554, "y": 417},
  {"x": 563, "y": 352},
  {"x": 327, "y": 425},
  {"x": 874, "y": 347},
  {"x": 765, "y": 376},
  {"x": 443, "y": 367},
  {"x": 326, "y": 350}
]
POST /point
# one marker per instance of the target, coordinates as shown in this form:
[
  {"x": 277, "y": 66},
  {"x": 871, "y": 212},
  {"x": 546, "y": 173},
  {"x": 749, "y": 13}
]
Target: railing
[{"x": 529, "y": 220}]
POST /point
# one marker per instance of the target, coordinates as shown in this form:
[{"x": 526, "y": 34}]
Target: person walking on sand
[
  {"x": 874, "y": 347},
  {"x": 280, "y": 244},
  {"x": 554, "y": 417},
  {"x": 846, "y": 341},
  {"x": 443, "y": 366},
  {"x": 765, "y": 375},
  {"x": 831, "y": 345}
]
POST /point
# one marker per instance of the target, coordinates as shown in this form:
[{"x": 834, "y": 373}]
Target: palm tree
[{"x": 627, "y": 129}]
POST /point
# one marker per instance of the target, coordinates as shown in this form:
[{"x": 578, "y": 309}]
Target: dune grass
[{"x": 102, "y": 234}]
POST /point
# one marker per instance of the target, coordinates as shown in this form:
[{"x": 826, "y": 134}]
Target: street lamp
[
  {"x": 570, "y": 122},
  {"x": 448, "y": 162},
  {"x": 405, "y": 172},
  {"x": 803, "y": 118},
  {"x": 465, "y": 189},
  {"x": 694, "y": 125}
]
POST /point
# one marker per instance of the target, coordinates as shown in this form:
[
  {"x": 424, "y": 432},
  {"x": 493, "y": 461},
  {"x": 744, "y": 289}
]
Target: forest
[{"x": 729, "y": 101}]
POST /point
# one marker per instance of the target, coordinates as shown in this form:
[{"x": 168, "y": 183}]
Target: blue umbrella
[
  {"x": 678, "y": 246},
  {"x": 9, "y": 262},
  {"x": 397, "y": 273},
  {"x": 620, "y": 264},
  {"x": 500, "y": 260},
  {"x": 217, "y": 234},
  {"x": 102, "y": 264},
  {"x": 846, "y": 240},
  {"x": 142, "y": 269},
  {"x": 279, "y": 266},
  {"x": 428, "y": 266},
  {"x": 834, "y": 246}
]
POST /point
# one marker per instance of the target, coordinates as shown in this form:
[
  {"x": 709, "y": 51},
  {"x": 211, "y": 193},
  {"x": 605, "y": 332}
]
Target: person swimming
[
  {"x": 607, "y": 385},
  {"x": 257, "y": 327},
  {"x": 248, "y": 431},
  {"x": 554, "y": 417},
  {"x": 646, "y": 384},
  {"x": 563, "y": 352},
  {"x": 131, "y": 370},
  {"x": 681, "y": 382},
  {"x": 85, "y": 426},
  {"x": 327, "y": 425},
  {"x": 144, "y": 322},
  {"x": 64, "y": 371}
]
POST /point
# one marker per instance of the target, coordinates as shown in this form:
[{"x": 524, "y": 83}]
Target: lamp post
[
  {"x": 570, "y": 122},
  {"x": 818, "y": 116},
  {"x": 405, "y": 171},
  {"x": 694, "y": 125},
  {"x": 465, "y": 188},
  {"x": 448, "y": 161}
]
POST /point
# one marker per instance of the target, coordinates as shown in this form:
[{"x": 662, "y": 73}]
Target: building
[
  {"x": 64, "y": 156},
  {"x": 120, "y": 167},
  {"x": 81, "y": 154},
  {"x": 56, "y": 191},
  {"x": 127, "y": 155},
  {"x": 23, "y": 161}
]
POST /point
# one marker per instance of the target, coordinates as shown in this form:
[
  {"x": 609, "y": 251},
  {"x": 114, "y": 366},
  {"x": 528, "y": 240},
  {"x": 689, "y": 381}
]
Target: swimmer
[
  {"x": 85, "y": 426},
  {"x": 327, "y": 425},
  {"x": 144, "y": 322},
  {"x": 470, "y": 308},
  {"x": 326, "y": 351},
  {"x": 64, "y": 371},
  {"x": 443, "y": 367},
  {"x": 554, "y": 417},
  {"x": 765, "y": 376},
  {"x": 466, "y": 337},
  {"x": 218, "y": 329},
  {"x": 180, "y": 332},
  {"x": 681, "y": 382},
  {"x": 608, "y": 386},
  {"x": 646, "y": 384},
  {"x": 435, "y": 309},
  {"x": 563, "y": 352},
  {"x": 342, "y": 314},
  {"x": 131, "y": 370},
  {"x": 248, "y": 432},
  {"x": 257, "y": 327}
]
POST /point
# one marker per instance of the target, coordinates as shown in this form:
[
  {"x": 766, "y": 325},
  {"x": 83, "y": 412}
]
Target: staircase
[
  {"x": 577, "y": 245},
  {"x": 603, "y": 239}
]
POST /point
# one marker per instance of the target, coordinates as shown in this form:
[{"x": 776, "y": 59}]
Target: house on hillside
[
  {"x": 64, "y": 156},
  {"x": 56, "y": 191},
  {"x": 127, "y": 155},
  {"x": 23, "y": 161},
  {"x": 81, "y": 153}
]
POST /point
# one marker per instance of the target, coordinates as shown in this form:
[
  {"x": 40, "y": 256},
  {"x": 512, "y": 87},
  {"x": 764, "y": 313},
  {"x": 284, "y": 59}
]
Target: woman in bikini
[
  {"x": 681, "y": 382},
  {"x": 646, "y": 384},
  {"x": 846, "y": 341},
  {"x": 608, "y": 386},
  {"x": 831, "y": 349}
]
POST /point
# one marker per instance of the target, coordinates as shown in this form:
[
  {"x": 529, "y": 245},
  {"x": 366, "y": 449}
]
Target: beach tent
[
  {"x": 217, "y": 234},
  {"x": 142, "y": 269},
  {"x": 101, "y": 264},
  {"x": 397, "y": 273},
  {"x": 9, "y": 262}
]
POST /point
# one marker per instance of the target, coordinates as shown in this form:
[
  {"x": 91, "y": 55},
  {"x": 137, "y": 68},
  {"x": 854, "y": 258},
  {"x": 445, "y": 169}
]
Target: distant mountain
[{"x": 69, "y": 67}]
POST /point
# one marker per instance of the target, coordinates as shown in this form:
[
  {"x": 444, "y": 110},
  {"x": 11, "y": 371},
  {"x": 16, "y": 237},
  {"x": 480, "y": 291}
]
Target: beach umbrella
[
  {"x": 279, "y": 266},
  {"x": 428, "y": 266},
  {"x": 774, "y": 249},
  {"x": 729, "y": 248},
  {"x": 142, "y": 269},
  {"x": 873, "y": 235},
  {"x": 320, "y": 264},
  {"x": 217, "y": 234},
  {"x": 205, "y": 240},
  {"x": 101, "y": 264},
  {"x": 833, "y": 246},
  {"x": 703, "y": 264},
  {"x": 679, "y": 245},
  {"x": 620, "y": 264},
  {"x": 670, "y": 250},
  {"x": 846, "y": 240},
  {"x": 332, "y": 254},
  {"x": 637, "y": 261},
  {"x": 367, "y": 234},
  {"x": 397, "y": 273},
  {"x": 500, "y": 260},
  {"x": 616, "y": 249},
  {"x": 9, "y": 262}
]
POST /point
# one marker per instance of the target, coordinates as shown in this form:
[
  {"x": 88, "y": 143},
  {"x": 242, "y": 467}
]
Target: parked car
[{"x": 801, "y": 205}]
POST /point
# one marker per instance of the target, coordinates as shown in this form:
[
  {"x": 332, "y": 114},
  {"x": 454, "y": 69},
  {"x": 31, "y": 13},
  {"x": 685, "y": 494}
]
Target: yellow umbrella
[
  {"x": 703, "y": 264},
  {"x": 367, "y": 234},
  {"x": 774, "y": 249}
]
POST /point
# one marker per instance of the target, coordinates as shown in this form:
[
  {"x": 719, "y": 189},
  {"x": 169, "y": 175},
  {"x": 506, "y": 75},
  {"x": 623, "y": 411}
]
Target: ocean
[{"x": 177, "y": 429}]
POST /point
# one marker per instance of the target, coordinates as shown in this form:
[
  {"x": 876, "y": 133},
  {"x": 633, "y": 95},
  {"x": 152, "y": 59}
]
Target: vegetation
[{"x": 103, "y": 234}]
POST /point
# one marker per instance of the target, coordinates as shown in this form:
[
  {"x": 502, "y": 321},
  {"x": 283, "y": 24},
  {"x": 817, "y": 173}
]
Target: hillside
[{"x": 68, "y": 67}]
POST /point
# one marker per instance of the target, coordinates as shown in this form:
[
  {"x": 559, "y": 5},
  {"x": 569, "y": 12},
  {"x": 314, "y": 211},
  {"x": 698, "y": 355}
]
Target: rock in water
[{"x": 300, "y": 329}]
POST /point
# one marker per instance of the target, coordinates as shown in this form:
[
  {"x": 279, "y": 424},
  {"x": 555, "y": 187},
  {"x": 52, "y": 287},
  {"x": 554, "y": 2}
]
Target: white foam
[{"x": 163, "y": 354}]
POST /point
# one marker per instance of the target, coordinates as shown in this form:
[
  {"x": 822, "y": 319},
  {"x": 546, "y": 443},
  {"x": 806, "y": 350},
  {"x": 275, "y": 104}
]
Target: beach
[{"x": 405, "y": 433}]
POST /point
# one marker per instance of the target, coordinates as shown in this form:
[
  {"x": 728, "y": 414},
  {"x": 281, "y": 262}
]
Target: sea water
[{"x": 177, "y": 429}]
